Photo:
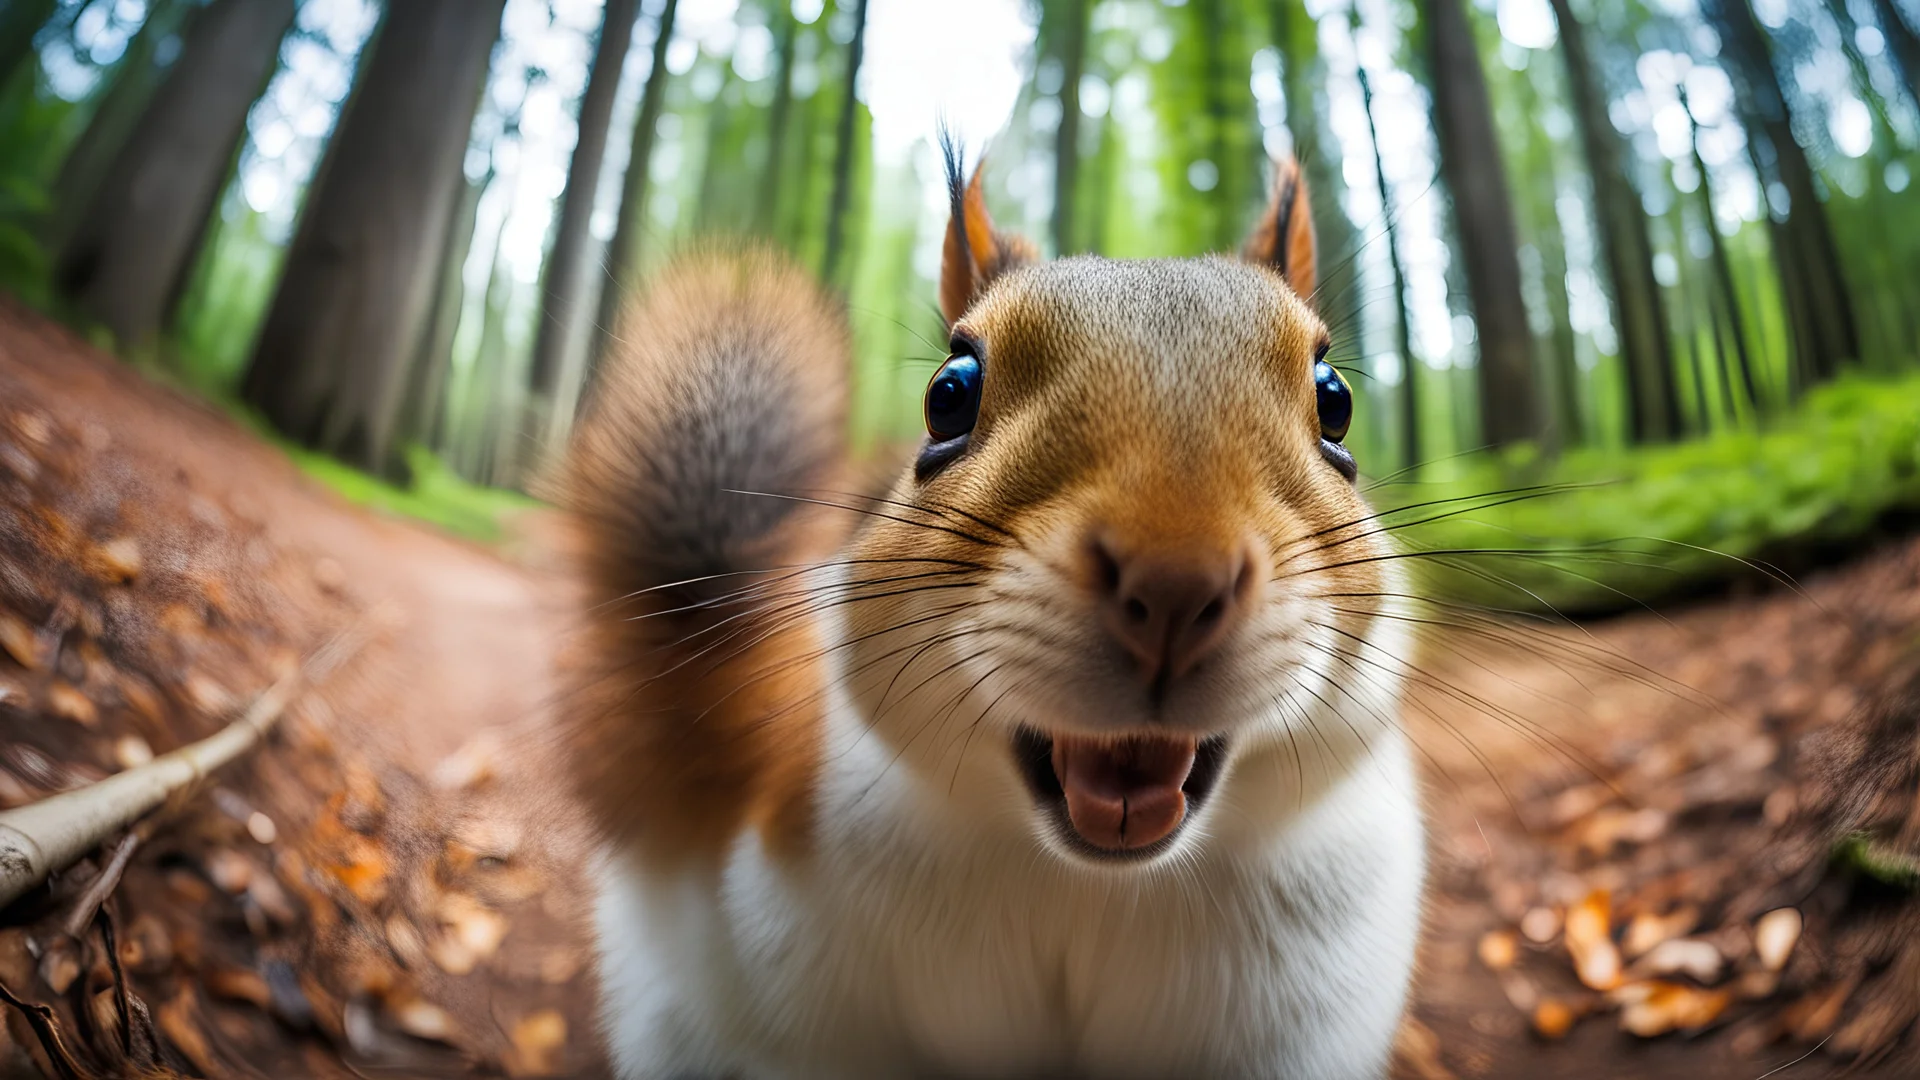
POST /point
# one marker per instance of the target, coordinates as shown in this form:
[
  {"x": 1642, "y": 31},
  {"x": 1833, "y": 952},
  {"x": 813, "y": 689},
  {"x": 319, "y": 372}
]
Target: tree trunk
[
  {"x": 423, "y": 418},
  {"x": 1645, "y": 338},
  {"x": 1066, "y": 136},
  {"x": 330, "y": 366},
  {"x": 767, "y": 211},
  {"x": 623, "y": 251},
  {"x": 1403, "y": 332},
  {"x": 554, "y": 380},
  {"x": 1724, "y": 298},
  {"x": 1477, "y": 181},
  {"x": 1823, "y": 302},
  {"x": 131, "y": 251},
  {"x": 1902, "y": 42},
  {"x": 87, "y": 163},
  {"x": 20, "y": 20},
  {"x": 843, "y": 148}
]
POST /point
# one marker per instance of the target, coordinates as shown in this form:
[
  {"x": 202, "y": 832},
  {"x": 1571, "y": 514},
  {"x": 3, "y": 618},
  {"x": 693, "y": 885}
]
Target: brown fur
[
  {"x": 1168, "y": 402},
  {"x": 1284, "y": 238},
  {"x": 699, "y": 714}
]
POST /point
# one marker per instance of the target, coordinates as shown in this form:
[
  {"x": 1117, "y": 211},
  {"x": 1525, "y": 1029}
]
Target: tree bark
[
  {"x": 130, "y": 252},
  {"x": 1646, "y": 352},
  {"x": 1829, "y": 333},
  {"x": 623, "y": 251},
  {"x": 1066, "y": 136},
  {"x": 1724, "y": 298},
  {"x": 20, "y": 20},
  {"x": 1403, "y": 332},
  {"x": 554, "y": 380},
  {"x": 135, "y": 80},
  {"x": 843, "y": 148},
  {"x": 1902, "y": 42},
  {"x": 1477, "y": 181},
  {"x": 330, "y": 366},
  {"x": 767, "y": 210},
  {"x": 423, "y": 418}
]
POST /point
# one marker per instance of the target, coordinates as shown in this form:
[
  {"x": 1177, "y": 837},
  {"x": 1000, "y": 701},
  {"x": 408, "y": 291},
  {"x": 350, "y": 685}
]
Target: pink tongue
[{"x": 1123, "y": 794}]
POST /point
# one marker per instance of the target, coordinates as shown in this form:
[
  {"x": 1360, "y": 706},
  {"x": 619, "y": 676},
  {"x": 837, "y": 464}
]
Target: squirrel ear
[
  {"x": 1284, "y": 237},
  {"x": 975, "y": 253}
]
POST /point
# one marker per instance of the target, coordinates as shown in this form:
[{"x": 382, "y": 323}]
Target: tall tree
[
  {"x": 1824, "y": 330},
  {"x": 1066, "y": 136},
  {"x": 1402, "y": 323},
  {"x": 1477, "y": 182},
  {"x": 20, "y": 20},
  {"x": 558, "y": 356},
  {"x": 129, "y": 255},
  {"x": 134, "y": 81},
  {"x": 623, "y": 251},
  {"x": 843, "y": 136},
  {"x": 767, "y": 208},
  {"x": 1723, "y": 299},
  {"x": 1645, "y": 336},
  {"x": 1903, "y": 41},
  {"x": 330, "y": 366},
  {"x": 423, "y": 416}
]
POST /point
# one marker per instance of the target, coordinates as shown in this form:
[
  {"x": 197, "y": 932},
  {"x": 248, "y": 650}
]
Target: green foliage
[
  {"x": 1860, "y": 853},
  {"x": 436, "y": 494},
  {"x": 1596, "y": 531}
]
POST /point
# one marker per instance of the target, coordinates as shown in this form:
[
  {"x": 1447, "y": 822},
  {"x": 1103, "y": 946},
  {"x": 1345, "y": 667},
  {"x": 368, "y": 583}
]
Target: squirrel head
[{"x": 1128, "y": 575}]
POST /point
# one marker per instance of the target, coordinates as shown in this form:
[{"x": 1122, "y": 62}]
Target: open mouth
[{"x": 1119, "y": 798}]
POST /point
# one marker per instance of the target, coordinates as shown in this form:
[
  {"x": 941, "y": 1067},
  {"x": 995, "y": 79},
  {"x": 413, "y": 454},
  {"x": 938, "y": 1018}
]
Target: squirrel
[{"x": 1078, "y": 753}]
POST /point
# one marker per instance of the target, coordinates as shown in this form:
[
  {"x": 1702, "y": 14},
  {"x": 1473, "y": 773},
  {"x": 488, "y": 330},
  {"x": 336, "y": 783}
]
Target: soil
[{"x": 395, "y": 884}]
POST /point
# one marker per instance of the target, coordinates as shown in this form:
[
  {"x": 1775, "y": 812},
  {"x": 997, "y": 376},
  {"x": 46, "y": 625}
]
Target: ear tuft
[
  {"x": 975, "y": 253},
  {"x": 1283, "y": 239}
]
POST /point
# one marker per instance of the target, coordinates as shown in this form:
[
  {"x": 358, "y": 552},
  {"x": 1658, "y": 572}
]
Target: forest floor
[{"x": 396, "y": 884}]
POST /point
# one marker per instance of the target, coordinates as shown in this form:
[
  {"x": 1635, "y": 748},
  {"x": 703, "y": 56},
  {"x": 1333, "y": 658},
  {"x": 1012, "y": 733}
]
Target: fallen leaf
[
  {"x": 422, "y": 1019},
  {"x": 66, "y": 701},
  {"x": 1647, "y": 930},
  {"x": 1672, "y": 1007},
  {"x": 1589, "y": 942},
  {"x": 1692, "y": 957},
  {"x": 1540, "y": 924},
  {"x": 131, "y": 751},
  {"x": 1775, "y": 935},
  {"x": 1553, "y": 1018},
  {"x": 1498, "y": 949},
  {"x": 537, "y": 1040}
]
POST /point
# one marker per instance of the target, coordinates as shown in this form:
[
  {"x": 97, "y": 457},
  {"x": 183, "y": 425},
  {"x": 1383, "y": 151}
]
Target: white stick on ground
[{"x": 50, "y": 835}]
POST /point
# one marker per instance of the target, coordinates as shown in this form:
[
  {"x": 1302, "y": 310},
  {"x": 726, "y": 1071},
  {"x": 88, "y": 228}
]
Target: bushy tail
[{"x": 698, "y": 711}]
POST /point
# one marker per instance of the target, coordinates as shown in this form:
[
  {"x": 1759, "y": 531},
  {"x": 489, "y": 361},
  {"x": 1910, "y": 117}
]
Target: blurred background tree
[{"x": 1556, "y": 234}]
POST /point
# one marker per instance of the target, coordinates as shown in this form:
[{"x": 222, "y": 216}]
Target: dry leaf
[
  {"x": 1774, "y": 936},
  {"x": 1590, "y": 944},
  {"x": 65, "y": 701},
  {"x": 1553, "y": 1018},
  {"x": 1647, "y": 929},
  {"x": 537, "y": 1040},
  {"x": 261, "y": 828},
  {"x": 119, "y": 559},
  {"x": 1498, "y": 949},
  {"x": 1665, "y": 1007},
  {"x": 131, "y": 751},
  {"x": 423, "y": 1020},
  {"x": 1689, "y": 956},
  {"x": 230, "y": 871},
  {"x": 1540, "y": 925},
  {"x": 19, "y": 640}
]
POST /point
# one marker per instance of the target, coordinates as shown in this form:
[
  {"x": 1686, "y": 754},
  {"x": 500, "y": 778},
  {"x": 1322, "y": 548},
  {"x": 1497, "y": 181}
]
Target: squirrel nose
[{"x": 1170, "y": 607}]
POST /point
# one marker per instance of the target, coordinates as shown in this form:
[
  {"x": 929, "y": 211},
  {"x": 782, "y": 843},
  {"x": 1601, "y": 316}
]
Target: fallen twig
[{"x": 40, "y": 838}]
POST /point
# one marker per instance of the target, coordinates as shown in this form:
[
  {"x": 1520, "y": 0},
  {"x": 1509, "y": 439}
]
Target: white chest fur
[{"x": 913, "y": 945}]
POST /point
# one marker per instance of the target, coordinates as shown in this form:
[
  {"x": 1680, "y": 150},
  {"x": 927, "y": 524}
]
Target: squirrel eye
[
  {"x": 1335, "y": 400},
  {"x": 953, "y": 398}
]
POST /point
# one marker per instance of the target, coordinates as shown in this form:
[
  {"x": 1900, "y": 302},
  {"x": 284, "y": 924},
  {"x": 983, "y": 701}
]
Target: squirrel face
[{"x": 1130, "y": 560}]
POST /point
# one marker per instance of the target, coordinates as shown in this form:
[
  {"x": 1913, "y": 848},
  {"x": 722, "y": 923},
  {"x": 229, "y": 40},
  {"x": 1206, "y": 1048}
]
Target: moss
[{"x": 1605, "y": 529}]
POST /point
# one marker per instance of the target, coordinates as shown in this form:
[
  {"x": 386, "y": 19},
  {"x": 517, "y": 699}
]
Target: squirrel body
[{"x": 1078, "y": 754}]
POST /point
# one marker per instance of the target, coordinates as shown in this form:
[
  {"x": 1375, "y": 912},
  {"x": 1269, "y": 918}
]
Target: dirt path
[{"x": 414, "y": 902}]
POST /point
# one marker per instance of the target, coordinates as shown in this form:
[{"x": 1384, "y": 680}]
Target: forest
[{"x": 1627, "y": 292}]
